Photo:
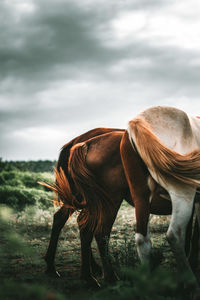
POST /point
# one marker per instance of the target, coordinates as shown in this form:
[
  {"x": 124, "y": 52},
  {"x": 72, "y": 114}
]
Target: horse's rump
[
  {"x": 65, "y": 193},
  {"x": 163, "y": 161},
  {"x": 86, "y": 160},
  {"x": 86, "y": 185}
]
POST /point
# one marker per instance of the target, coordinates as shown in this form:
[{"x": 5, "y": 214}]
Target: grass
[
  {"x": 24, "y": 238},
  {"x": 24, "y": 266}
]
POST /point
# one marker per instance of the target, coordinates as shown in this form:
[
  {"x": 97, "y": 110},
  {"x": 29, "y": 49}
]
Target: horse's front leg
[
  {"x": 137, "y": 176},
  {"x": 182, "y": 205},
  {"x": 59, "y": 220},
  {"x": 142, "y": 239}
]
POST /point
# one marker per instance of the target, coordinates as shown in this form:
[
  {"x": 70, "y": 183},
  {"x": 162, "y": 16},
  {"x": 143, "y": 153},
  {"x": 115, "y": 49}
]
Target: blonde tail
[{"x": 163, "y": 161}]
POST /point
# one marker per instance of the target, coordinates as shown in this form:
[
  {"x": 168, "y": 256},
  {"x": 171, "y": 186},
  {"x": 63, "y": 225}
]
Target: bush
[
  {"x": 26, "y": 179},
  {"x": 19, "y": 189},
  {"x": 32, "y": 166},
  {"x": 19, "y": 197}
]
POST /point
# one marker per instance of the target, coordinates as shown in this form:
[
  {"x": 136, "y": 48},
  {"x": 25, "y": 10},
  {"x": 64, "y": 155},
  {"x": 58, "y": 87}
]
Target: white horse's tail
[{"x": 163, "y": 161}]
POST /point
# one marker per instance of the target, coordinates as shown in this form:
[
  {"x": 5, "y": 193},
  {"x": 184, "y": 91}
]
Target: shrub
[
  {"x": 19, "y": 189},
  {"x": 27, "y": 179},
  {"x": 32, "y": 166},
  {"x": 19, "y": 197}
]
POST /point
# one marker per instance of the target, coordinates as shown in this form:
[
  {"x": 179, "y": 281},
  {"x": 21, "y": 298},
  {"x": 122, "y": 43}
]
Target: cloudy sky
[{"x": 67, "y": 66}]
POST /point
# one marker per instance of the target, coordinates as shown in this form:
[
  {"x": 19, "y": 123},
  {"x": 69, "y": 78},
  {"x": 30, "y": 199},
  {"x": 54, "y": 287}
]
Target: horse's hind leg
[
  {"x": 192, "y": 241},
  {"x": 194, "y": 251},
  {"x": 59, "y": 220},
  {"x": 108, "y": 273},
  {"x": 195, "y": 242},
  {"x": 189, "y": 234},
  {"x": 102, "y": 239},
  {"x": 87, "y": 260},
  {"x": 95, "y": 267},
  {"x": 182, "y": 205}
]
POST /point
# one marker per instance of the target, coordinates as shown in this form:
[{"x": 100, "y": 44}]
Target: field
[{"x": 25, "y": 220}]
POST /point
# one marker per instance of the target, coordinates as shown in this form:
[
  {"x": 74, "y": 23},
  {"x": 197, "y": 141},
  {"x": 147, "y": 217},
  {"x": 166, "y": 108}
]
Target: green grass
[
  {"x": 27, "y": 240},
  {"x": 24, "y": 238}
]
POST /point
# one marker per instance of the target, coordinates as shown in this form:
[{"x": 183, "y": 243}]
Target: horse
[
  {"x": 168, "y": 142},
  {"x": 90, "y": 177},
  {"x": 64, "y": 188}
]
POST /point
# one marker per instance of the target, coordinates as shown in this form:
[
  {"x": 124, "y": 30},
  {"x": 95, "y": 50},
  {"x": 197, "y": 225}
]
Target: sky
[{"x": 68, "y": 66}]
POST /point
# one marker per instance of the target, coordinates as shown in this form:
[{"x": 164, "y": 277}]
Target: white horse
[{"x": 168, "y": 141}]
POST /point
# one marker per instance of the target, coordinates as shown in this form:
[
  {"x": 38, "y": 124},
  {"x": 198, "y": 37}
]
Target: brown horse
[
  {"x": 95, "y": 183},
  {"x": 70, "y": 201}
]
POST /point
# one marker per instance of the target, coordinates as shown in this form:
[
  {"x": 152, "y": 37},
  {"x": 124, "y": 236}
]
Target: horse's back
[
  {"x": 102, "y": 148},
  {"x": 104, "y": 160},
  {"x": 65, "y": 150},
  {"x": 195, "y": 123},
  {"x": 172, "y": 126}
]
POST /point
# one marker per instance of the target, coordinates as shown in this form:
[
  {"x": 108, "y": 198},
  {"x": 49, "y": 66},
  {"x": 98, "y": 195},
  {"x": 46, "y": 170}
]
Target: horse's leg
[
  {"x": 189, "y": 234},
  {"x": 95, "y": 267},
  {"x": 86, "y": 236},
  {"x": 192, "y": 241},
  {"x": 195, "y": 240},
  {"x": 182, "y": 205},
  {"x": 88, "y": 263},
  {"x": 137, "y": 175},
  {"x": 194, "y": 251},
  {"x": 59, "y": 220},
  {"x": 102, "y": 239}
]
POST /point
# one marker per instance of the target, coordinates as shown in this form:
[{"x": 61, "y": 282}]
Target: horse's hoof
[{"x": 53, "y": 273}]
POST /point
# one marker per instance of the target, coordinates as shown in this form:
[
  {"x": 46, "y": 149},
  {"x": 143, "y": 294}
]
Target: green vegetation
[
  {"x": 15, "y": 251},
  {"x": 19, "y": 189},
  {"x": 31, "y": 165},
  {"x": 25, "y": 221}
]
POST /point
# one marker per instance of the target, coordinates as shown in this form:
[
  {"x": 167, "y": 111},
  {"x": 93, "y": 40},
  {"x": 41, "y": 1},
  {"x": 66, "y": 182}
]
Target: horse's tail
[
  {"x": 63, "y": 193},
  {"x": 63, "y": 186},
  {"x": 95, "y": 198},
  {"x": 163, "y": 161}
]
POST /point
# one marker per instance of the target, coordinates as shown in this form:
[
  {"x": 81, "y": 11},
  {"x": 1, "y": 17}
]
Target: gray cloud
[
  {"x": 60, "y": 39},
  {"x": 64, "y": 70}
]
